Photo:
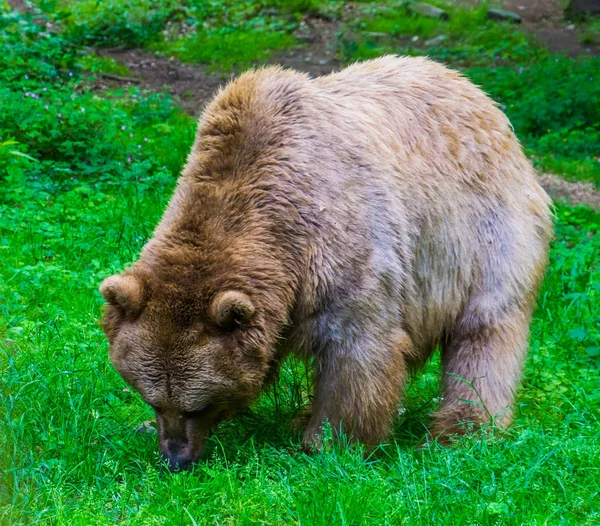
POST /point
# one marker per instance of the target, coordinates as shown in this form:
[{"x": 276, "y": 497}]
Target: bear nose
[{"x": 177, "y": 455}]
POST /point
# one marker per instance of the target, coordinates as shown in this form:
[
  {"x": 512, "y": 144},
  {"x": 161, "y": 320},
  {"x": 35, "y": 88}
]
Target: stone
[
  {"x": 433, "y": 42},
  {"x": 306, "y": 38},
  {"x": 147, "y": 427},
  {"x": 421, "y": 8},
  {"x": 375, "y": 34},
  {"x": 504, "y": 15}
]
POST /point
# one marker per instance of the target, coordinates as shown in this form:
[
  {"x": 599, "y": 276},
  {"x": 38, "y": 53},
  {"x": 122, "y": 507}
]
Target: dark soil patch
[
  {"x": 545, "y": 20},
  {"x": 190, "y": 84},
  {"x": 536, "y": 11},
  {"x": 193, "y": 86},
  {"x": 317, "y": 54},
  {"x": 574, "y": 193},
  {"x": 19, "y": 5},
  {"x": 563, "y": 39}
]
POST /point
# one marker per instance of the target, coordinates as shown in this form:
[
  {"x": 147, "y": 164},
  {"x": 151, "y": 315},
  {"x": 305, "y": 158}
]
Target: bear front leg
[{"x": 358, "y": 388}]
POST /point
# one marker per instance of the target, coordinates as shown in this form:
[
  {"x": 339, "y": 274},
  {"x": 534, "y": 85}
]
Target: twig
[{"x": 119, "y": 78}]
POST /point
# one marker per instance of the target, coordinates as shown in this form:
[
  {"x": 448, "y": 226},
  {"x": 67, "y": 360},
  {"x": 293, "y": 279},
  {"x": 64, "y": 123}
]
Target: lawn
[{"x": 84, "y": 177}]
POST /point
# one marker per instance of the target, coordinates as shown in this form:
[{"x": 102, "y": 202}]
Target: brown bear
[{"x": 360, "y": 219}]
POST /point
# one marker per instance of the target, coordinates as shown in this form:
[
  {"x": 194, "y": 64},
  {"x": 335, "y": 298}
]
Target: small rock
[
  {"x": 433, "y": 42},
  {"x": 504, "y": 15},
  {"x": 375, "y": 34},
  {"x": 147, "y": 427},
  {"x": 306, "y": 38},
  {"x": 421, "y": 8}
]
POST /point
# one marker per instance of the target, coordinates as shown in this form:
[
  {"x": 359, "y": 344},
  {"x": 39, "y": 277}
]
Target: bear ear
[
  {"x": 124, "y": 291},
  {"x": 230, "y": 308}
]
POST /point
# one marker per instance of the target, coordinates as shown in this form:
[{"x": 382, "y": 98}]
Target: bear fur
[{"x": 360, "y": 219}]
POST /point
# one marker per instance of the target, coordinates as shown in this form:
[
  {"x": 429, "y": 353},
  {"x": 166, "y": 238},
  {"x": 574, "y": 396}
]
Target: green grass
[
  {"x": 554, "y": 105},
  {"x": 399, "y": 20},
  {"x": 470, "y": 38},
  {"x": 99, "y": 64},
  {"x": 228, "y": 49},
  {"x": 589, "y": 31},
  {"x": 113, "y": 22},
  {"x": 221, "y": 34},
  {"x": 68, "y": 421},
  {"x": 81, "y": 190}
]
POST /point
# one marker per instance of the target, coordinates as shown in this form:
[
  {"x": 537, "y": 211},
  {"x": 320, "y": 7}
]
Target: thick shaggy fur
[{"x": 362, "y": 219}]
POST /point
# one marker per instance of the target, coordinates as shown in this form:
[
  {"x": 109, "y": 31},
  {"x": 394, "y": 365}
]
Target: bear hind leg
[{"x": 482, "y": 364}]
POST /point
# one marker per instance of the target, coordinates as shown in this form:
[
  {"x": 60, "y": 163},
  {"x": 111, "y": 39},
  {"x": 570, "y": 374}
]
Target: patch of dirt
[
  {"x": 193, "y": 87},
  {"x": 319, "y": 37},
  {"x": 190, "y": 84},
  {"x": 535, "y": 11},
  {"x": 574, "y": 193},
  {"x": 19, "y": 5},
  {"x": 318, "y": 53},
  {"x": 564, "y": 40},
  {"x": 545, "y": 20}
]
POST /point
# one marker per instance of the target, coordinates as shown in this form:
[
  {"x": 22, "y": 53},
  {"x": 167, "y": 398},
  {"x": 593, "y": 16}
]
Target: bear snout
[
  {"x": 182, "y": 439},
  {"x": 180, "y": 455}
]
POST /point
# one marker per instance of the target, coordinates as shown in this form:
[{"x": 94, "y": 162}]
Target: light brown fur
[{"x": 362, "y": 219}]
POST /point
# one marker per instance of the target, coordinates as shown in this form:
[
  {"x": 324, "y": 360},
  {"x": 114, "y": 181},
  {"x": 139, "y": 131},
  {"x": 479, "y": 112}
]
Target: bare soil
[
  {"x": 19, "y": 5},
  {"x": 193, "y": 86},
  {"x": 318, "y": 53},
  {"x": 575, "y": 193},
  {"x": 544, "y": 19},
  {"x": 190, "y": 84}
]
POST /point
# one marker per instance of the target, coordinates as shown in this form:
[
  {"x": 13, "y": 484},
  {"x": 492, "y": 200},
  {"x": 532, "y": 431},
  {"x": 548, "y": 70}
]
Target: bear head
[{"x": 195, "y": 352}]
